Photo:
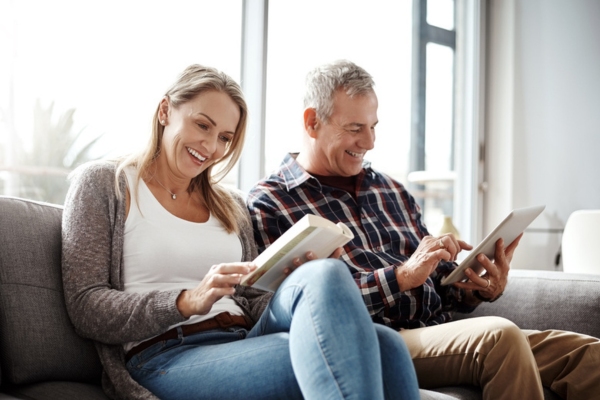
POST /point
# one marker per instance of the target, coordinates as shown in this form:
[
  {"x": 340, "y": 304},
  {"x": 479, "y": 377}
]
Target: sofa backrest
[
  {"x": 37, "y": 339},
  {"x": 539, "y": 299}
]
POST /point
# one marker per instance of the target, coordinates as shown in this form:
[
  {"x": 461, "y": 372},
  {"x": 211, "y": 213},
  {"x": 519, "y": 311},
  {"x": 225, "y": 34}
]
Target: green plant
[{"x": 55, "y": 151}]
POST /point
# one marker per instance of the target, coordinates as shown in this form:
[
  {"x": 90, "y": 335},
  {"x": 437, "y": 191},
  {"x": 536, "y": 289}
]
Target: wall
[{"x": 542, "y": 117}]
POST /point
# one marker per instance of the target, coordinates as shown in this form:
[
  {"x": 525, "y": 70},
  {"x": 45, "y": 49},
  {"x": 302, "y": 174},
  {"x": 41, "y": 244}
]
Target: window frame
[{"x": 423, "y": 34}]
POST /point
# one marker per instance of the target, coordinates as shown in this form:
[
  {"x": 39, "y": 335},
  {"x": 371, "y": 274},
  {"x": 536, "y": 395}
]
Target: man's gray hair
[{"x": 323, "y": 81}]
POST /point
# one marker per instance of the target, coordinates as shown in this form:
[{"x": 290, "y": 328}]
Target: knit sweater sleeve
[
  {"x": 92, "y": 247},
  {"x": 253, "y": 301},
  {"x": 246, "y": 234}
]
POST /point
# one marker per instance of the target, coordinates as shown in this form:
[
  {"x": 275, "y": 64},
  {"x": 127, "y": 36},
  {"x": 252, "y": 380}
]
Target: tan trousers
[{"x": 505, "y": 361}]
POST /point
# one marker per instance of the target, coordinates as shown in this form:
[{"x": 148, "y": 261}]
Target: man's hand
[
  {"x": 414, "y": 272},
  {"x": 492, "y": 283},
  {"x": 309, "y": 256}
]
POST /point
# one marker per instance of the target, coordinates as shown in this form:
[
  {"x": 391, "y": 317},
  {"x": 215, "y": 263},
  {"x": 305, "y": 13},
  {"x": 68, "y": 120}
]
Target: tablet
[{"x": 508, "y": 229}]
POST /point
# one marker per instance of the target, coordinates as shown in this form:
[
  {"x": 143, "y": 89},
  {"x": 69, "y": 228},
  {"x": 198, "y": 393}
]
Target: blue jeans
[{"x": 315, "y": 340}]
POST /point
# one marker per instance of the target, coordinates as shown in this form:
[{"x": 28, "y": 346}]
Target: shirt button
[{"x": 378, "y": 248}]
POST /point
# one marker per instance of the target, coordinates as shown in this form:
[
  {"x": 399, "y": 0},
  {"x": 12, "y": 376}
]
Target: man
[{"x": 398, "y": 265}]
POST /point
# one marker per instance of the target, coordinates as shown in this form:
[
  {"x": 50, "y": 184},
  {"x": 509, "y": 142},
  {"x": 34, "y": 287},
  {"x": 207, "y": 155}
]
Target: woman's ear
[
  {"x": 163, "y": 110},
  {"x": 311, "y": 122}
]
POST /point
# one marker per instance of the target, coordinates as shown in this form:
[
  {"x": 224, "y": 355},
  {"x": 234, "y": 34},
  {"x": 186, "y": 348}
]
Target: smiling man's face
[{"x": 342, "y": 142}]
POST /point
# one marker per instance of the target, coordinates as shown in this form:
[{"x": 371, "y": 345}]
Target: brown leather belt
[{"x": 223, "y": 320}]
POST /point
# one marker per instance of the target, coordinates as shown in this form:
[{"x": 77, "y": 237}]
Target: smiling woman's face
[{"x": 198, "y": 132}]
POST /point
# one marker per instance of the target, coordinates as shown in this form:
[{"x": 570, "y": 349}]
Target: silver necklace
[{"x": 173, "y": 195}]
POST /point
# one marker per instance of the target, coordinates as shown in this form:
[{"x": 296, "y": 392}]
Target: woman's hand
[
  {"x": 220, "y": 281},
  {"x": 414, "y": 272}
]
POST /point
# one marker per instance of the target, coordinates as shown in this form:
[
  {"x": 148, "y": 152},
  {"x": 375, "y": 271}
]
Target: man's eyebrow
[{"x": 358, "y": 124}]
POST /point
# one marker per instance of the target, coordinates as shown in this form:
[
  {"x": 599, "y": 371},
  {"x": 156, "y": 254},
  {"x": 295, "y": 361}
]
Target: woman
[{"x": 154, "y": 249}]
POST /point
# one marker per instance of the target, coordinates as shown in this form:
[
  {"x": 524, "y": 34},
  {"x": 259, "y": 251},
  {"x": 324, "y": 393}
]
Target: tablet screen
[{"x": 510, "y": 227}]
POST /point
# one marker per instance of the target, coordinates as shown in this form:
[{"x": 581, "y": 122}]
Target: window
[
  {"x": 305, "y": 34},
  {"x": 432, "y": 173},
  {"x": 80, "y": 73},
  {"x": 77, "y": 71}
]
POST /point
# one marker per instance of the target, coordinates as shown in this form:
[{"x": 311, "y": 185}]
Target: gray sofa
[{"x": 41, "y": 357}]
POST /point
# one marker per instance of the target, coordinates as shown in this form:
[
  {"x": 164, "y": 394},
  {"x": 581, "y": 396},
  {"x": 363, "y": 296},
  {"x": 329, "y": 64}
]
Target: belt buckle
[{"x": 224, "y": 320}]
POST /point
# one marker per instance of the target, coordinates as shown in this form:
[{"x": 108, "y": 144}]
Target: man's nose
[{"x": 368, "y": 140}]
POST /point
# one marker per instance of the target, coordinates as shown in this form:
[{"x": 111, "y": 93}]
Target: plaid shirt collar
[{"x": 295, "y": 175}]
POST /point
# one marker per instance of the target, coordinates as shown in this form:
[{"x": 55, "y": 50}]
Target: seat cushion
[
  {"x": 466, "y": 392},
  {"x": 434, "y": 395},
  {"x": 58, "y": 391},
  {"x": 37, "y": 339}
]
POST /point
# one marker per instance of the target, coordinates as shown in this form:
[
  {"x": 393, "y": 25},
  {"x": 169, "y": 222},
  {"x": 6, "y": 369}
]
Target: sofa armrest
[{"x": 536, "y": 299}]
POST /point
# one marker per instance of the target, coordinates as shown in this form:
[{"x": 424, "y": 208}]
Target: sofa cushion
[
  {"x": 37, "y": 339},
  {"x": 542, "y": 300},
  {"x": 58, "y": 391},
  {"x": 465, "y": 392},
  {"x": 433, "y": 395}
]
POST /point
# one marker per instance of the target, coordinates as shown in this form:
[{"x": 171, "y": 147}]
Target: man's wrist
[
  {"x": 485, "y": 299},
  {"x": 402, "y": 278}
]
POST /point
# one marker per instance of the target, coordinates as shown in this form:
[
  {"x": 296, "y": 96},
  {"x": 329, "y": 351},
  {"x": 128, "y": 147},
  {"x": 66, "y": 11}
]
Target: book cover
[{"x": 310, "y": 233}]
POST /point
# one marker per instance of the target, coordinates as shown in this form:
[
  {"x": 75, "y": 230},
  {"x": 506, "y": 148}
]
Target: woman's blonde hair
[{"x": 193, "y": 81}]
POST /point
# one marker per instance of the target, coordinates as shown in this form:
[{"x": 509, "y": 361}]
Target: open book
[{"x": 310, "y": 233}]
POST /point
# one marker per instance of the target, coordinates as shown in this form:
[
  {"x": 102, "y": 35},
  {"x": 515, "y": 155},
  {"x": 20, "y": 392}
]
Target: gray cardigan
[{"x": 92, "y": 249}]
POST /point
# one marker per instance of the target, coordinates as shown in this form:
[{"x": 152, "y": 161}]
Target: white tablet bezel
[{"x": 510, "y": 227}]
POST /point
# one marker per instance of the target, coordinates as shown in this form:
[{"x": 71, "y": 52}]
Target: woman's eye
[
  {"x": 225, "y": 139},
  {"x": 203, "y": 126}
]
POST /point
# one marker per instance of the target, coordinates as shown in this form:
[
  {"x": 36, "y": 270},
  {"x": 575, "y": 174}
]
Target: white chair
[{"x": 581, "y": 242}]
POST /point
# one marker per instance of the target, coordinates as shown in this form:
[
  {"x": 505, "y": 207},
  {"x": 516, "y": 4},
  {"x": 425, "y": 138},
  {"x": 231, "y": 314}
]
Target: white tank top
[{"x": 164, "y": 252}]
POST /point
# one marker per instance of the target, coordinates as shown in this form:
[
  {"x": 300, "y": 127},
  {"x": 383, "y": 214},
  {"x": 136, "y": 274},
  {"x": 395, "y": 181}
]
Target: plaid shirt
[{"x": 387, "y": 227}]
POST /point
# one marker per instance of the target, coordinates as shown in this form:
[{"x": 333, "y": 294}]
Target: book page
[
  {"x": 278, "y": 257},
  {"x": 311, "y": 233}
]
